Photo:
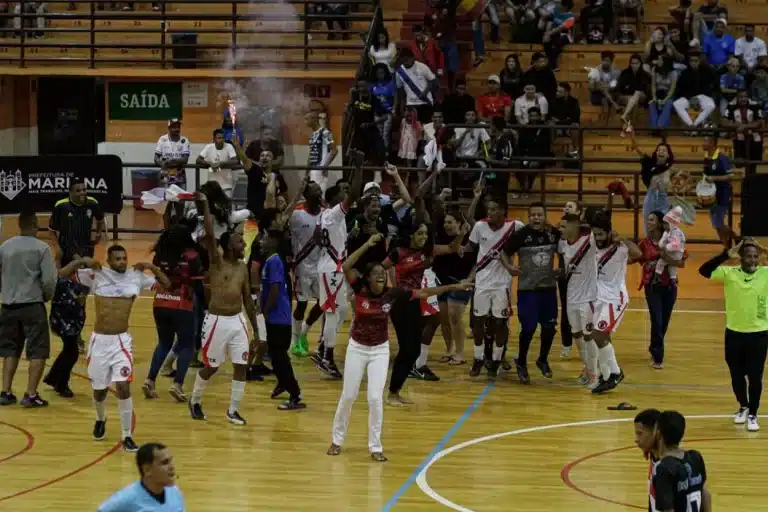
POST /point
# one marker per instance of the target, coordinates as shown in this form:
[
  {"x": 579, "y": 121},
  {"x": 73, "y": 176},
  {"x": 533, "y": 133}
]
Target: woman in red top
[
  {"x": 174, "y": 309},
  {"x": 368, "y": 348},
  {"x": 660, "y": 292}
]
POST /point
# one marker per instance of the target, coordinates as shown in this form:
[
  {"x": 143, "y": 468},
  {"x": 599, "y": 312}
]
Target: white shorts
[
  {"x": 581, "y": 317},
  {"x": 333, "y": 291},
  {"x": 222, "y": 336},
  {"x": 608, "y": 315},
  {"x": 495, "y": 301},
  {"x": 110, "y": 359},
  {"x": 430, "y": 305},
  {"x": 306, "y": 286}
]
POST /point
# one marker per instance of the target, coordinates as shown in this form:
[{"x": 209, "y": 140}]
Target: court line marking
[
  {"x": 438, "y": 447},
  {"x": 421, "y": 479},
  {"x": 30, "y": 441}
]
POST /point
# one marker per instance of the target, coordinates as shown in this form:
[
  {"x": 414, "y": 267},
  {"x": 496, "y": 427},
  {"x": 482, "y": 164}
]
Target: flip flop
[
  {"x": 623, "y": 406},
  {"x": 445, "y": 359}
]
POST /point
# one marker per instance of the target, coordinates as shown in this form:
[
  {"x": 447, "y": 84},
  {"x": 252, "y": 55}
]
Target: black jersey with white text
[{"x": 678, "y": 484}]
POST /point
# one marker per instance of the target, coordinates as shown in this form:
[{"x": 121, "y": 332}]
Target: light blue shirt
[{"x": 135, "y": 498}]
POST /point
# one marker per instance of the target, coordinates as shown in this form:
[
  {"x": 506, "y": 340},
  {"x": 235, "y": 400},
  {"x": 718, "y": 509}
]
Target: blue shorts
[
  {"x": 451, "y": 53},
  {"x": 537, "y": 307},
  {"x": 717, "y": 214},
  {"x": 460, "y": 296}
]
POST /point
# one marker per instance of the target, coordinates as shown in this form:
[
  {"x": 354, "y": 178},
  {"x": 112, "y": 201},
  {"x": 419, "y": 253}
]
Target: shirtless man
[
  {"x": 224, "y": 331},
  {"x": 110, "y": 358}
]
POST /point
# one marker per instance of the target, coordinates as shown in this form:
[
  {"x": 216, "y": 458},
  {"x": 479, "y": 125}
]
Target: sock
[
  {"x": 592, "y": 360},
  {"x": 197, "y": 390},
  {"x": 602, "y": 357},
  {"x": 126, "y": 416},
  {"x": 479, "y": 351},
  {"x": 581, "y": 345},
  {"x": 295, "y": 331},
  {"x": 305, "y": 327},
  {"x": 238, "y": 388},
  {"x": 101, "y": 409},
  {"x": 328, "y": 354},
  {"x": 422, "y": 360},
  {"x": 497, "y": 351},
  {"x": 331, "y": 328},
  {"x": 612, "y": 363}
]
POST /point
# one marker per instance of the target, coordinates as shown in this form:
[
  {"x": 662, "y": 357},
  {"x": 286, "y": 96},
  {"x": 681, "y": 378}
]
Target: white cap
[
  {"x": 721, "y": 20},
  {"x": 370, "y": 186},
  {"x": 174, "y": 121},
  {"x": 494, "y": 78}
]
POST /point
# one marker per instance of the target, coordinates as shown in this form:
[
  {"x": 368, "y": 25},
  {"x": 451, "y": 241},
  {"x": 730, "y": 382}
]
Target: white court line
[
  {"x": 421, "y": 480},
  {"x": 631, "y": 310}
]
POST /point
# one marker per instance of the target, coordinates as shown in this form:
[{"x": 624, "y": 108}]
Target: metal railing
[{"x": 120, "y": 31}]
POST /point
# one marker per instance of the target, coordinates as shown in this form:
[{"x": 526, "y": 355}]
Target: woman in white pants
[{"x": 368, "y": 348}]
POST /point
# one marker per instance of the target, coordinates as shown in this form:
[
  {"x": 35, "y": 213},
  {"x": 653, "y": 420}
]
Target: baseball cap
[
  {"x": 494, "y": 78},
  {"x": 370, "y": 186},
  {"x": 174, "y": 121},
  {"x": 721, "y": 20}
]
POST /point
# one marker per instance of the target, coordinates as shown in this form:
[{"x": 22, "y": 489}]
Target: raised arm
[
  {"x": 209, "y": 238},
  {"x": 405, "y": 195},
  {"x": 634, "y": 251},
  {"x": 157, "y": 271},
  {"x": 285, "y": 216},
  {"x": 357, "y": 179},
  {"x": 709, "y": 266},
  {"x": 349, "y": 264},
  {"x": 477, "y": 194}
]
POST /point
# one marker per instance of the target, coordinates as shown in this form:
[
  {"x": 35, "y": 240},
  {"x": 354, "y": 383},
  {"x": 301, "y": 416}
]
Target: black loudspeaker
[
  {"x": 754, "y": 207},
  {"x": 184, "y": 50}
]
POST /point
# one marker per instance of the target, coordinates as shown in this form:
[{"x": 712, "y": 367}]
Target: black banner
[{"x": 39, "y": 181}]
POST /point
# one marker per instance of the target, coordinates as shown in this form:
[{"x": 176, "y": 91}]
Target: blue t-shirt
[
  {"x": 718, "y": 49},
  {"x": 720, "y": 165},
  {"x": 135, "y": 498},
  {"x": 384, "y": 96},
  {"x": 273, "y": 272}
]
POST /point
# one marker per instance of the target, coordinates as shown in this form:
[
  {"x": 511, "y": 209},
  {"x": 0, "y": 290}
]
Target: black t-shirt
[
  {"x": 74, "y": 223},
  {"x": 257, "y": 188},
  {"x": 451, "y": 268},
  {"x": 677, "y": 484},
  {"x": 649, "y": 169},
  {"x": 375, "y": 254}
]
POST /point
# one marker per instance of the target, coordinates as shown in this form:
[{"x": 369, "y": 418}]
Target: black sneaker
[
  {"x": 7, "y": 398},
  {"x": 31, "y": 402},
  {"x": 477, "y": 367},
  {"x": 252, "y": 375},
  {"x": 427, "y": 374},
  {"x": 261, "y": 369},
  {"x": 129, "y": 445},
  {"x": 277, "y": 392},
  {"x": 99, "y": 430},
  {"x": 416, "y": 373},
  {"x": 235, "y": 418},
  {"x": 316, "y": 357},
  {"x": 544, "y": 367},
  {"x": 493, "y": 369},
  {"x": 522, "y": 374},
  {"x": 195, "y": 363},
  {"x": 605, "y": 385},
  {"x": 196, "y": 411},
  {"x": 330, "y": 368},
  {"x": 65, "y": 392},
  {"x": 292, "y": 404}
]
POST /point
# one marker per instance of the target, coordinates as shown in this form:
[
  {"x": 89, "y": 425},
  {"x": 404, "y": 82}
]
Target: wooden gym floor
[{"x": 466, "y": 443}]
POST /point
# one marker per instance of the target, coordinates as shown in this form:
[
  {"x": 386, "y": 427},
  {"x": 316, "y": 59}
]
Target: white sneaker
[
  {"x": 584, "y": 377},
  {"x": 741, "y": 417},
  {"x": 594, "y": 381},
  {"x": 565, "y": 351},
  {"x": 752, "y": 424}
]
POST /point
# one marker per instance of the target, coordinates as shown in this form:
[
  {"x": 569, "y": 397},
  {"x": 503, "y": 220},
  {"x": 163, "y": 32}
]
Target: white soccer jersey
[
  {"x": 306, "y": 252},
  {"x": 490, "y": 274},
  {"x": 580, "y": 268},
  {"x": 333, "y": 230},
  {"x": 108, "y": 283},
  {"x": 612, "y": 273}
]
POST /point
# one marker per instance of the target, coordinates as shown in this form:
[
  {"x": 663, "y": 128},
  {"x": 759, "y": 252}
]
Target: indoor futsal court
[{"x": 466, "y": 444}]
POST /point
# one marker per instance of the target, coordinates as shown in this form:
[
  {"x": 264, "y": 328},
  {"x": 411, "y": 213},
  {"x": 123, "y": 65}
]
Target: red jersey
[
  {"x": 371, "y": 325},
  {"x": 180, "y": 294},
  {"x": 492, "y": 105},
  {"x": 409, "y": 267}
]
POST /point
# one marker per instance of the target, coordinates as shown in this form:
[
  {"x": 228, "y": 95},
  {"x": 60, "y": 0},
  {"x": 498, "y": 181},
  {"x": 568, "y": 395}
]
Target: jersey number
[
  {"x": 694, "y": 502},
  {"x": 325, "y": 240}
]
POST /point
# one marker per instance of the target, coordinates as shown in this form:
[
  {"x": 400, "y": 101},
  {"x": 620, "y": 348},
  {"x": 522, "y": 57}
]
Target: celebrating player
[
  {"x": 224, "y": 332},
  {"x": 110, "y": 358},
  {"x": 613, "y": 253}
]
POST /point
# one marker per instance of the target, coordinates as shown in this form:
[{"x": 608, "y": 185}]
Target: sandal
[
  {"x": 456, "y": 361},
  {"x": 446, "y": 358},
  {"x": 334, "y": 450}
]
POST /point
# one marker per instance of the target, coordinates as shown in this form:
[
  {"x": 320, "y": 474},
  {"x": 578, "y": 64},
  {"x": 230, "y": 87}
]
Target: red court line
[
  {"x": 74, "y": 472},
  {"x": 566, "y": 478},
  {"x": 30, "y": 442}
]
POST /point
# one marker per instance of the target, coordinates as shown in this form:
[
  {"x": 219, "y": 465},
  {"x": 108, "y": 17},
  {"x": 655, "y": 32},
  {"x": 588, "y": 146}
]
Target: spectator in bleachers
[
  {"x": 322, "y": 152},
  {"x": 232, "y": 129},
  {"x": 663, "y": 87},
  {"x": 704, "y": 20},
  {"x": 333, "y": 9},
  {"x": 750, "y": 48},
  {"x": 410, "y": 134},
  {"x": 366, "y": 136},
  {"x": 456, "y": 104},
  {"x": 478, "y": 38},
  {"x": 266, "y": 142},
  {"x": 565, "y": 110},
  {"x": 383, "y": 91},
  {"x": 683, "y": 17},
  {"x": 541, "y": 75},
  {"x": 172, "y": 154},
  {"x": 731, "y": 82},
  {"x": 494, "y": 103},
  {"x": 432, "y": 129},
  {"x": 681, "y": 47},
  {"x": 634, "y": 87},
  {"x": 382, "y": 50},
  {"x": 511, "y": 76},
  {"x": 220, "y": 158},
  {"x": 418, "y": 84},
  {"x": 39, "y": 8},
  {"x": 535, "y": 142},
  {"x": 656, "y": 47},
  {"x": 696, "y": 87},
  {"x": 758, "y": 91},
  {"x": 519, "y": 15},
  {"x": 624, "y": 12},
  {"x": 718, "y": 46},
  {"x": 558, "y": 31},
  {"x": 471, "y": 142},
  {"x": 426, "y": 50},
  {"x": 596, "y": 19},
  {"x": 529, "y": 99},
  {"x": 746, "y": 116},
  {"x": 443, "y": 24},
  {"x": 503, "y": 143},
  {"x": 602, "y": 82}
]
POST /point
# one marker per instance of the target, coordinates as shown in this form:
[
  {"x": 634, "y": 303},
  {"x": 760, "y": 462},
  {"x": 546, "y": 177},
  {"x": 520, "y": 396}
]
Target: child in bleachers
[{"x": 410, "y": 134}]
